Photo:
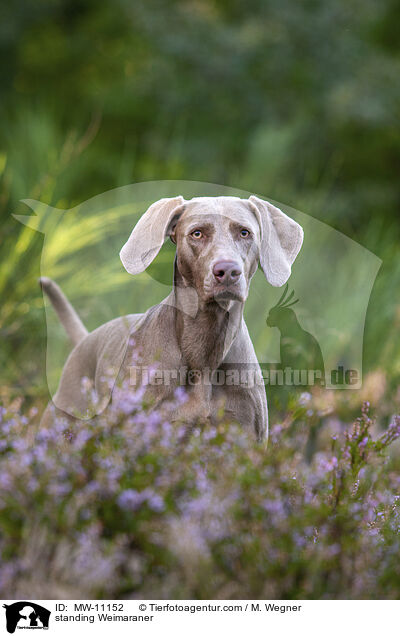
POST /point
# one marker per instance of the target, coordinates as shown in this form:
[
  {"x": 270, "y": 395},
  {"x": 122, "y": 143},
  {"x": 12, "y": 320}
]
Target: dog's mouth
[
  {"x": 227, "y": 293},
  {"x": 216, "y": 291}
]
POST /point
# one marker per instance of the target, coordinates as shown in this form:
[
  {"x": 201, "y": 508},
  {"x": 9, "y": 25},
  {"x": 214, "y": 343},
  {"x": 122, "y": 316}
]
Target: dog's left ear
[
  {"x": 281, "y": 240},
  {"x": 149, "y": 234}
]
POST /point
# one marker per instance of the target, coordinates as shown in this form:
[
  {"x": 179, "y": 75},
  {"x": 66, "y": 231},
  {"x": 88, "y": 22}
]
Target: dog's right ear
[{"x": 149, "y": 234}]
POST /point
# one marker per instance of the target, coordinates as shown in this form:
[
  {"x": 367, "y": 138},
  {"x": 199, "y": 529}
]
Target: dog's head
[{"x": 220, "y": 241}]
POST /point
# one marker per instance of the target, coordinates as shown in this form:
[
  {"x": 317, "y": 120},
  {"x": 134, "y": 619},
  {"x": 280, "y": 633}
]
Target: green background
[{"x": 295, "y": 101}]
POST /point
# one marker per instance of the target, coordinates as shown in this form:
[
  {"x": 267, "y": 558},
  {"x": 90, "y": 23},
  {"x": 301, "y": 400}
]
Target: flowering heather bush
[{"x": 129, "y": 506}]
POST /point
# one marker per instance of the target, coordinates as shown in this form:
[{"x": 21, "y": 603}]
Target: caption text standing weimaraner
[{"x": 199, "y": 326}]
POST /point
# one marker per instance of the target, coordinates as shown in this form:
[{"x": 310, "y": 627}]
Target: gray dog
[{"x": 199, "y": 328}]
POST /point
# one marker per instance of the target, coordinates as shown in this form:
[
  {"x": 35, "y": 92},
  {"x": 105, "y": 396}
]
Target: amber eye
[
  {"x": 197, "y": 234},
  {"x": 244, "y": 233}
]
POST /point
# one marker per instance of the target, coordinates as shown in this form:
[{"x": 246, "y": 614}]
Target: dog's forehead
[{"x": 220, "y": 209}]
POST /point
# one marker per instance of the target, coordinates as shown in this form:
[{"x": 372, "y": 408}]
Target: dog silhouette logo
[{"x": 26, "y": 615}]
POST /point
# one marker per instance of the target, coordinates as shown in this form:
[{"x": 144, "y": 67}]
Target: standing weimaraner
[{"x": 199, "y": 328}]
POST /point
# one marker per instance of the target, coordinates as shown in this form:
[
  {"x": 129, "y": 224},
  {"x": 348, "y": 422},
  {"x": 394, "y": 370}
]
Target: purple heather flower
[
  {"x": 8, "y": 572},
  {"x": 395, "y": 424},
  {"x": 81, "y": 438},
  {"x": 59, "y": 490},
  {"x": 26, "y": 459},
  {"x": 33, "y": 484},
  {"x": 363, "y": 443},
  {"x": 274, "y": 507},
  {"x": 156, "y": 503},
  {"x": 130, "y": 499},
  {"x": 327, "y": 465},
  {"x": 305, "y": 398},
  {"x": 210, "y": 434},
  {"x": 92, "y": 487},
  {"x": 5, "y": 481},
  {"x": 127, "y": 401},
  {"x": 181, "y": 395}
]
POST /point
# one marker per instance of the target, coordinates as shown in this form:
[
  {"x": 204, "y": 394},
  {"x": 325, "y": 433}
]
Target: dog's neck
[{"x": 205, "y": 330}]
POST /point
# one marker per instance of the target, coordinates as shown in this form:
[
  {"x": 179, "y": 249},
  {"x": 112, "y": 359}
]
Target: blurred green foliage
[{"x": 296, "y": 101}]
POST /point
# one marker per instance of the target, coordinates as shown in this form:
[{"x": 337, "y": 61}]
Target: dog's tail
[{"x": 65, "y": 311}]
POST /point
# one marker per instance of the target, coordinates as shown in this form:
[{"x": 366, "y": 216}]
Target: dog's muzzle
[{"x": 227, "y": 277}]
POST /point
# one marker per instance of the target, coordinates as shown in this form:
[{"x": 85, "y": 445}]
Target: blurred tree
[{"x": 195, "y": 88}]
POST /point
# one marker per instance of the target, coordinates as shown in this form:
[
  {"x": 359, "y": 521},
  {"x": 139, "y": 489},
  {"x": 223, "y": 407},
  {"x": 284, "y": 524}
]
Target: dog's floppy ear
[
  {"x": 149, "y": 234},
  {"x": 281, "y": 240}
]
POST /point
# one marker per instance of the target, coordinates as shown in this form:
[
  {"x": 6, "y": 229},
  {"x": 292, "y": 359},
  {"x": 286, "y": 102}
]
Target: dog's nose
[{"x": 227, "y": 272}]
